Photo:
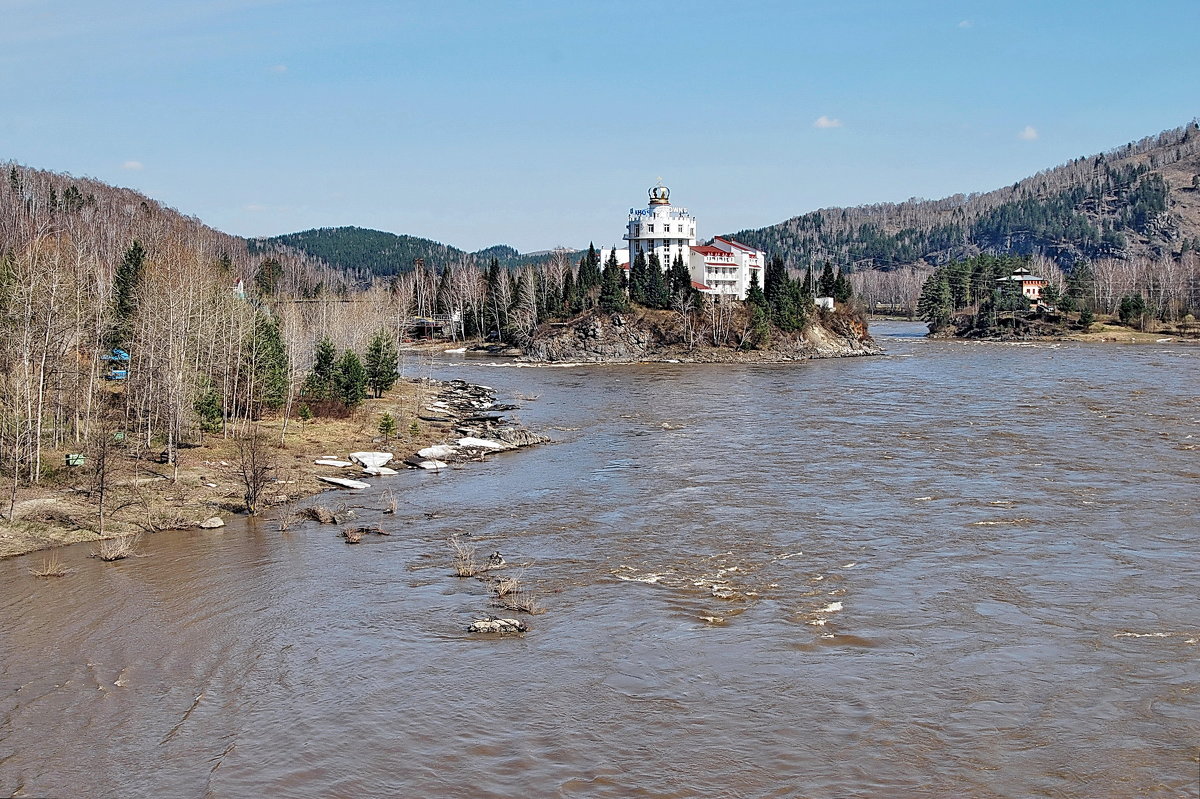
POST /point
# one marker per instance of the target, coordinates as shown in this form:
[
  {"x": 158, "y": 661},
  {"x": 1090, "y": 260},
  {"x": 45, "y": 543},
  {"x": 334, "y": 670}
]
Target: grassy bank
[{"x": 143, "y": 496}]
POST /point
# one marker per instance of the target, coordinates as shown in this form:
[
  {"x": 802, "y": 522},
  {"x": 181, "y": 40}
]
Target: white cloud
[
  {"x": 1029, "y": 133},
  {"x": 827, "y": 122},
  {"x": 966, "y": 23},
  {"x": 134, "y": 165},
  {"x": 278, "y": 69}
]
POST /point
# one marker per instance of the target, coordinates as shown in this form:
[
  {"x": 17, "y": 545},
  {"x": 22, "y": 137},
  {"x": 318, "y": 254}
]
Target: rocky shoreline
[
  {"x": 616, "y": 340},
  {"x": 479, "y": 427}
]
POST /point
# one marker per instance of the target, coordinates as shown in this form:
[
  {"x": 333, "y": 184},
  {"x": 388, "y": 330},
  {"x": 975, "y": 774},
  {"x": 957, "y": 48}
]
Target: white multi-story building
[{"x": 724, "y": 267}]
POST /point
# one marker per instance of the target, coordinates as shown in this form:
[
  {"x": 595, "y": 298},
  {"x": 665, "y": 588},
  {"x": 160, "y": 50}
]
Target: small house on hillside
[{"x": 1029, "y": 284}]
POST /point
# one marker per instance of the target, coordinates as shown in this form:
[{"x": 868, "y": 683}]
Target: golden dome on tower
[{"x": 660, "y": 194}]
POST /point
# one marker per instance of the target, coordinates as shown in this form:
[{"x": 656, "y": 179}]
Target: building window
[{"x": 651, "y": 228}]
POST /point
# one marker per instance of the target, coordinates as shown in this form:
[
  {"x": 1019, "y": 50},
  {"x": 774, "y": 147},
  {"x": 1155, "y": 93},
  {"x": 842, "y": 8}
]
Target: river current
[{"x": 957, "y": 570}]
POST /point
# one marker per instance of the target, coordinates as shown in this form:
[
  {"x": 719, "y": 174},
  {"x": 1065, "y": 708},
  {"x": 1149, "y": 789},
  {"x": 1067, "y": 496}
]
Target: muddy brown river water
[{"x": 959, "y": 570}]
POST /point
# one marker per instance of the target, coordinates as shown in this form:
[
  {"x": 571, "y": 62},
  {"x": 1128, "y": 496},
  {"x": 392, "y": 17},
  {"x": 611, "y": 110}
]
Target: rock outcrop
[{"x": 648, "y": 336}]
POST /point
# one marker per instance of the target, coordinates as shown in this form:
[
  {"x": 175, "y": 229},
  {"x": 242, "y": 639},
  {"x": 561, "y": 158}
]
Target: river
[{"x": 957, "y": 570}]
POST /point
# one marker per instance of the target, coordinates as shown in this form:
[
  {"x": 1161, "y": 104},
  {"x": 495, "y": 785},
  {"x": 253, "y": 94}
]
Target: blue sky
[{"x": 540, "y": 123}]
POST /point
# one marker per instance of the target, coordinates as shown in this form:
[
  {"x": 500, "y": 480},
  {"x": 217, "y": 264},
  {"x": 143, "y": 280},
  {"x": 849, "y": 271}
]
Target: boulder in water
[
  {"x": 501, "y": 626},
  {"x": 212, "y": 523}
]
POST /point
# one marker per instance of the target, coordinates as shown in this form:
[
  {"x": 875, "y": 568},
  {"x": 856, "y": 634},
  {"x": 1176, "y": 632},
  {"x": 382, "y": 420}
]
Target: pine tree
[
  {"x": 268, "y": 276},
  {"x": 387, "y": 427},
  {"x": 570, "y": 295},
  {"x": 267, "y": 363},
  {"x": 656, "y": 285},
  {"x": 351, "y": 380},
  {"x": 936, "y": 305},
  {"x": 754, "y": 294},
  {"x": 843, "y": 291},
  {"x": 125, "y": 285},
  {"x": 827, "y": 281},
  {"x": 681, "y": 279},
  {"x": 381, "y": 362},
  {"x": 589, "y": 271},
  {"x": 321, "y": 383},
  {"x": 775, "y": 279},
  {"x": 496, "y": 315},
  {"x": 638, "y": 278},
  {"x": 612, "y": 291}
]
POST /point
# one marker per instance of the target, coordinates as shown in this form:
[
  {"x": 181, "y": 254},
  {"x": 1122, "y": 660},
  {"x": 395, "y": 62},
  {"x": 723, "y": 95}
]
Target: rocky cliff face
[{"x": 639, "y": 337}]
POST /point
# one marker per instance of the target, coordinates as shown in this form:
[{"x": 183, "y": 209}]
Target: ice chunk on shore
[
  {"x": 481, "y": 443},
  {"x": 344, "y": 482},
  {"x": 371, "y": 458}
]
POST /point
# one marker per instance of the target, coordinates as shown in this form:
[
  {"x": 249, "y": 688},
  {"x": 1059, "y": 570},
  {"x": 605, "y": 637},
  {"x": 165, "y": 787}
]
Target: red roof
[
  {"x": 707, "y": 250},
  {"x": 737, "y": 244},
  {"x": 700, "y": 286},
  {"x": 625, "y": 266}
]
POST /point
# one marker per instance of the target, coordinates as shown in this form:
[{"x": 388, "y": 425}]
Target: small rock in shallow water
[
  {"x": 498, "y": 626},
  {"x": 213, "y": 523}
]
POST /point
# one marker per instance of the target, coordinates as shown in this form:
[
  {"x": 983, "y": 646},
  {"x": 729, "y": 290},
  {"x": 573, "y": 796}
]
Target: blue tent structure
[{"x": 118, "y": 364}]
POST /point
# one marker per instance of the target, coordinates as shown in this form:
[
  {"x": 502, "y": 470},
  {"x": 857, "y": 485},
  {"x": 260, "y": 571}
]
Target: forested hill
[
  {"x": 378, "y": 253},
  {"x": 1142, "y": 199}
]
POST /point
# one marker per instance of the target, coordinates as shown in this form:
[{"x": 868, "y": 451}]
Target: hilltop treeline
[
  {"x": 369, "y": 253},
  {"x": 1119, "y": 204}
]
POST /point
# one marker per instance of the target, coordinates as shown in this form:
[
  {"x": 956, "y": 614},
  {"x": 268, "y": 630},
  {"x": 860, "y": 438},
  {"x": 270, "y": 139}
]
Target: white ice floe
[
  {"x": 371, "y": 458},
  {"x": 481, "y": 443},
  {"x": 338, "y": 462},
  {"x": 437, "y": 452},
  {"x": 832, "y": 607},
  {"x": 344, "y": 482}
]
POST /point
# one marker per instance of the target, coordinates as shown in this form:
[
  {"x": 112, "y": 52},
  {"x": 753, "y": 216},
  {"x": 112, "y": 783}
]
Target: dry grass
[
  {"x": 353, "y": 535},
  {"x": 522, "y": 600},
  {"x": 511, "y": 593},
  {"x": 318, "y": 513},
  {"x": 506, "y": 586},
  {"x": 52, "y": 566},
  {"x": 390, "y": 501},
  {"x": 116, "y": 548},
  {"x": 465, "y": 564}
]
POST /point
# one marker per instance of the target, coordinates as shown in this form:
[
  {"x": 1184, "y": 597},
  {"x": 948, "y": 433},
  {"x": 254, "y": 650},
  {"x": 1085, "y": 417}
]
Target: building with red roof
[{"x": 724, "y": 267}]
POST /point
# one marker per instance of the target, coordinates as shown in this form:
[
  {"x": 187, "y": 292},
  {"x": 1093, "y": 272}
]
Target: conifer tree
[
  {"x": 125, "y": 285},
  {"x": 842, "y": 290},
  {"x": 570, "y": 295},
  {"x": 351, "y": 380},
  {"x": 656, "y": 285},
  {"x": 936, "y": 304},
  {"x": 681, "y": 279},
  {"x": 612, "y": 292},
  {"x": 381, "y": 362},
  {"x": 267, "y": 363},
  {"x": 827, "y": 281},
  {"x": 775, "y": 279},
  {"x": 638, "y": 276},
  {"x": 754, "y": 294},
  {"x": 589, "y": 270},
  {"x": 387, "y": 427},
  {"x": 320, "y": 384}
]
